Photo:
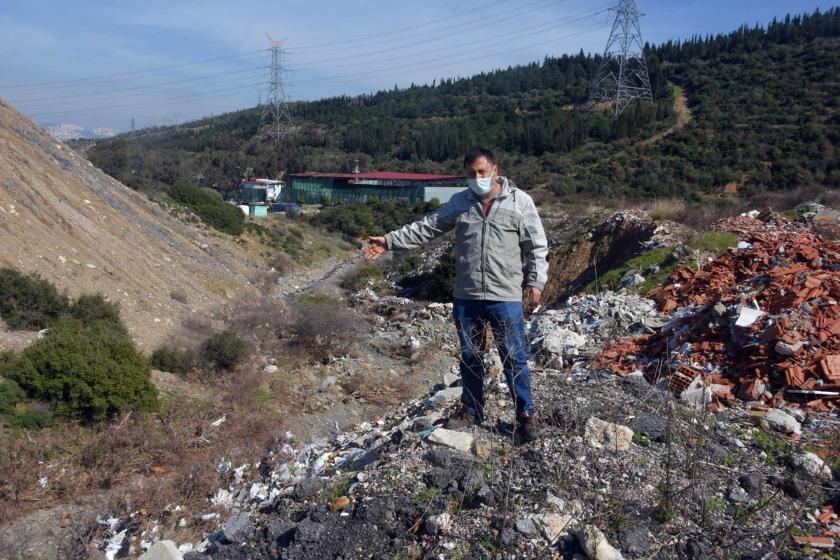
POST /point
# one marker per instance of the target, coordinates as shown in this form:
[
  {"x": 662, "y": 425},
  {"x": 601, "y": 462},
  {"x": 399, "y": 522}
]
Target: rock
[
  {"x": 484, "y": 497},
  {"x": 162, "y": 550},
  {"x": 752, "y": 484},
  {"x": 786, "y": 349},
  {"x": 422, "y": 423},
  {"x": 737, "y": 495},
  {"x": 437, "y": 524},
  {"x": 561, "y": 340},
  {"x": 652, "y": 425},
  {"x": 443, "y": 398},
  {"x": 634, "y": 539},
  {"x": 553, "y": 525},
  {"x": 600, "y": 434},
  {"x": 450, "y": 459},
  {"x": 452, "y": 379},
  {"x": 308, "y": 488},
  {"x": 596, "y": 546},
  {"x": 339, "y": 503},
  {"x": 812, "y": 465},
  {"x": 237, "y": 529},
  {"x": 271, "y": 368},
  {"x": 781, "y": 421},
  {"x": 482, "y": 449},
  {"x": 525, "y": 527},
  {"x": 452, "y": 439}
]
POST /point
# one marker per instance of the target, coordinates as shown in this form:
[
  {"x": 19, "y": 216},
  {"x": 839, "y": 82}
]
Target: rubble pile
[
  {"x": 586, "y": 322},
  {"x": 760, "y": 323}
]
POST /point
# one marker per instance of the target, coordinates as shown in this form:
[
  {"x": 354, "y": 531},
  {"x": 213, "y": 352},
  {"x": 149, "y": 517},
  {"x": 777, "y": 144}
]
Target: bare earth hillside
[{"x": 81, "y": 229}]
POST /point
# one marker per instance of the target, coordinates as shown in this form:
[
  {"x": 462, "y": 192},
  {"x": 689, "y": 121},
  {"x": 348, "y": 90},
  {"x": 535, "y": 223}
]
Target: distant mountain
[{"x": 67, "y": 131}]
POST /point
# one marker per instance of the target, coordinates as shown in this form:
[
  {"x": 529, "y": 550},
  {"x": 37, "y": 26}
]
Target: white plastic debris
[
  {"x": 748, "y": 316},
  {"x": 218, "y": 422}
]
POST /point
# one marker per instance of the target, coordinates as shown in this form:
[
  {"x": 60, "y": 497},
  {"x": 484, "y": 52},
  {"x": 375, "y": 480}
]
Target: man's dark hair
[{"x": 476, "y": 153}]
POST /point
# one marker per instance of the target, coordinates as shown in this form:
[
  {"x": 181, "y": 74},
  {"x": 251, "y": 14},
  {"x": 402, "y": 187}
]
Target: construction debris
[{"x": 760, "y": 323}]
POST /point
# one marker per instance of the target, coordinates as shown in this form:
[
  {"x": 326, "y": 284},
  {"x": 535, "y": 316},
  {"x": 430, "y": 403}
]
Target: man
[{"x": 497, "y": 229}]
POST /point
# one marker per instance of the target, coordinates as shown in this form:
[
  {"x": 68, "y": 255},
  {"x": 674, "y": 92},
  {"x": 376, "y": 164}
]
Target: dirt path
[{"x": 683, "y": 113}]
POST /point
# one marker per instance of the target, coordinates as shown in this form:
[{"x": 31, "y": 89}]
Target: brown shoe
[
  {"x": 527, "y": 428},
  {"x": 463, "y": 420}
]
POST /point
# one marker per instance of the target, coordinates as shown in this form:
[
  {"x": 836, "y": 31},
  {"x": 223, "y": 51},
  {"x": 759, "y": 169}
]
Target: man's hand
[
  {"x": 376, "y": 247},
  {"x": 532, "y": 298}
]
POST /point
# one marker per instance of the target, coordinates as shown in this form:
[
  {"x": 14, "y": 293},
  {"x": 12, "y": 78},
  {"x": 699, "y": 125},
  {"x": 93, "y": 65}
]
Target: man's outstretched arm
[{"x": 414, "y": 235}]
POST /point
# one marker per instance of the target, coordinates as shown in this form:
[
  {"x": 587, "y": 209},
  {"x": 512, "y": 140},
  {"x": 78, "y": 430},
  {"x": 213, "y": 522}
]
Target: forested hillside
[{"x": 755, "y": 109}]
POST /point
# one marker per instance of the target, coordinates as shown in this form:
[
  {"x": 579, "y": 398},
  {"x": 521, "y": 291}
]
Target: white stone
[
  {"x": 450, "y": 438},
  {"x": 163, "y": 550},
  {"x": 446, "y": 396},
  {"x": 437, "y": 524},
  {"x": 271, "y": 368},
  {"x": 596, "y": 545},
  {"x": 560, "y": 340},
  {"x": 812, "y": 464},
  {"x": 781, "y": 421},
  {"x": 614, "y": 437}
]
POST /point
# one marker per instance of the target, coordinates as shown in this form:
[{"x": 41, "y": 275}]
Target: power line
[
  {"x": 450, "y": 61},
  {"x": 531, "y": 31},
  {"x": 404, "y": 29},
  {"x": 154, "y": 102},
  {"x": 124, "y": 75},
  {"x": 137, "y": 88}
]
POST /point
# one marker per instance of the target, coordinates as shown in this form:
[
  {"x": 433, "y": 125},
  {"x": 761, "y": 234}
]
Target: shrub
[
  {"x": 324, "y": 327},
  {"x": 357, "y": 278},
  {"x": 29, "y": 301},
  {"x": 93, "y": 310},
  {"x": 86, "y": 371},
  {"x": 10, "y": 395},
  {"x": 210, "y": 208},
  {"x": 224, "y": 350},
  {"x": 173, "y": 360}
]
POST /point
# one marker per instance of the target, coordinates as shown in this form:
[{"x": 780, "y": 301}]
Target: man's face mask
[{"x": 481, "y": 187}]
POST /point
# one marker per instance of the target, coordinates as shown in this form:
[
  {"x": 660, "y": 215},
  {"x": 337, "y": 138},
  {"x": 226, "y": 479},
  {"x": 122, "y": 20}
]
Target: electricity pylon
[
  {"x": 623, "y": 75},
  {"x": 276, "y": 118}
]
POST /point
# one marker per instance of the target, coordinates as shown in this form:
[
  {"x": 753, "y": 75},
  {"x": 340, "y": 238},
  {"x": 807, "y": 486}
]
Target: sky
[{"x": 98, "y": 64}]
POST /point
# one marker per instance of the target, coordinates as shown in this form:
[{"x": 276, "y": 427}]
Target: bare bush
[
  {"x": 666, "y": 208},
  {"x": 324, "y": 327},
  {"x": 702, "y": 216},
  {"x": 264, "y": 319}
]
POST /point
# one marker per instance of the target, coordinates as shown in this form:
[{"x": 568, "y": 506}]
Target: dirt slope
[{"x": 76, "y": 226}]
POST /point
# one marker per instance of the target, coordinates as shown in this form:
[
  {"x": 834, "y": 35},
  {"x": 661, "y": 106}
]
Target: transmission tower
[
  {"x": 623, "y": 75},
  {"x": 276, "y": 119}
]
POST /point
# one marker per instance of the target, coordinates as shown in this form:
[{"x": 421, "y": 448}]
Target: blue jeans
[{"x": 507, "y": 320}]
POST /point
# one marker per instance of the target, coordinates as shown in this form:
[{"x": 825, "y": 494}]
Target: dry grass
[
  {"x": 702, "y": 216},
  {"x": 143, "y": 461},
  {"x": 666, "y": 209}
]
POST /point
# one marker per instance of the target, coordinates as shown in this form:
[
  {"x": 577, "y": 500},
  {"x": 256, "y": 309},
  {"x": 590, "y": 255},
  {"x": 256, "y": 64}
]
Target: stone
[
  {"x": 437, "y": 524},
  {"x": 782, "y": 422},
  {"x": 652, "y": 425},
  {"x": 271, "y": 368},
  {"x": 308, "y": 488},
  {"x": 339, "y": 503},
  {"x": 752, "y": 484},
  {"x": 600, "y": 434},
  {"x": 238, "y": 528},
  {"x": 553, "y": 525},
  {"x": 421, "y": 424},
  {"x": 460, "y": 441},
  {"x": 443, "y": 398},
  {"x": 525, "y": 527},
  {"x": 737, "y": 495},
  {"x": 482, "y": 449},
  {"x": 697, "y": 394},
  {"x": 452, "y": 379},
  {"x": 450, "y": 459},
  {"x": 162, "y": 550},
  {"x": 596, "y": 546},
  {"x": 634, "y": 538},
  {"x": 812, "y": 465},
  {"x": 560, "y": 340}
]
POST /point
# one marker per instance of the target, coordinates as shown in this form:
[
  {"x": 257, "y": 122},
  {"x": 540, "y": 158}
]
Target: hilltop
[{"x": 734, "y": 114}]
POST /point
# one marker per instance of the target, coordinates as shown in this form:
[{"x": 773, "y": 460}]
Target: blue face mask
[{"x": 481, "y": 187}]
